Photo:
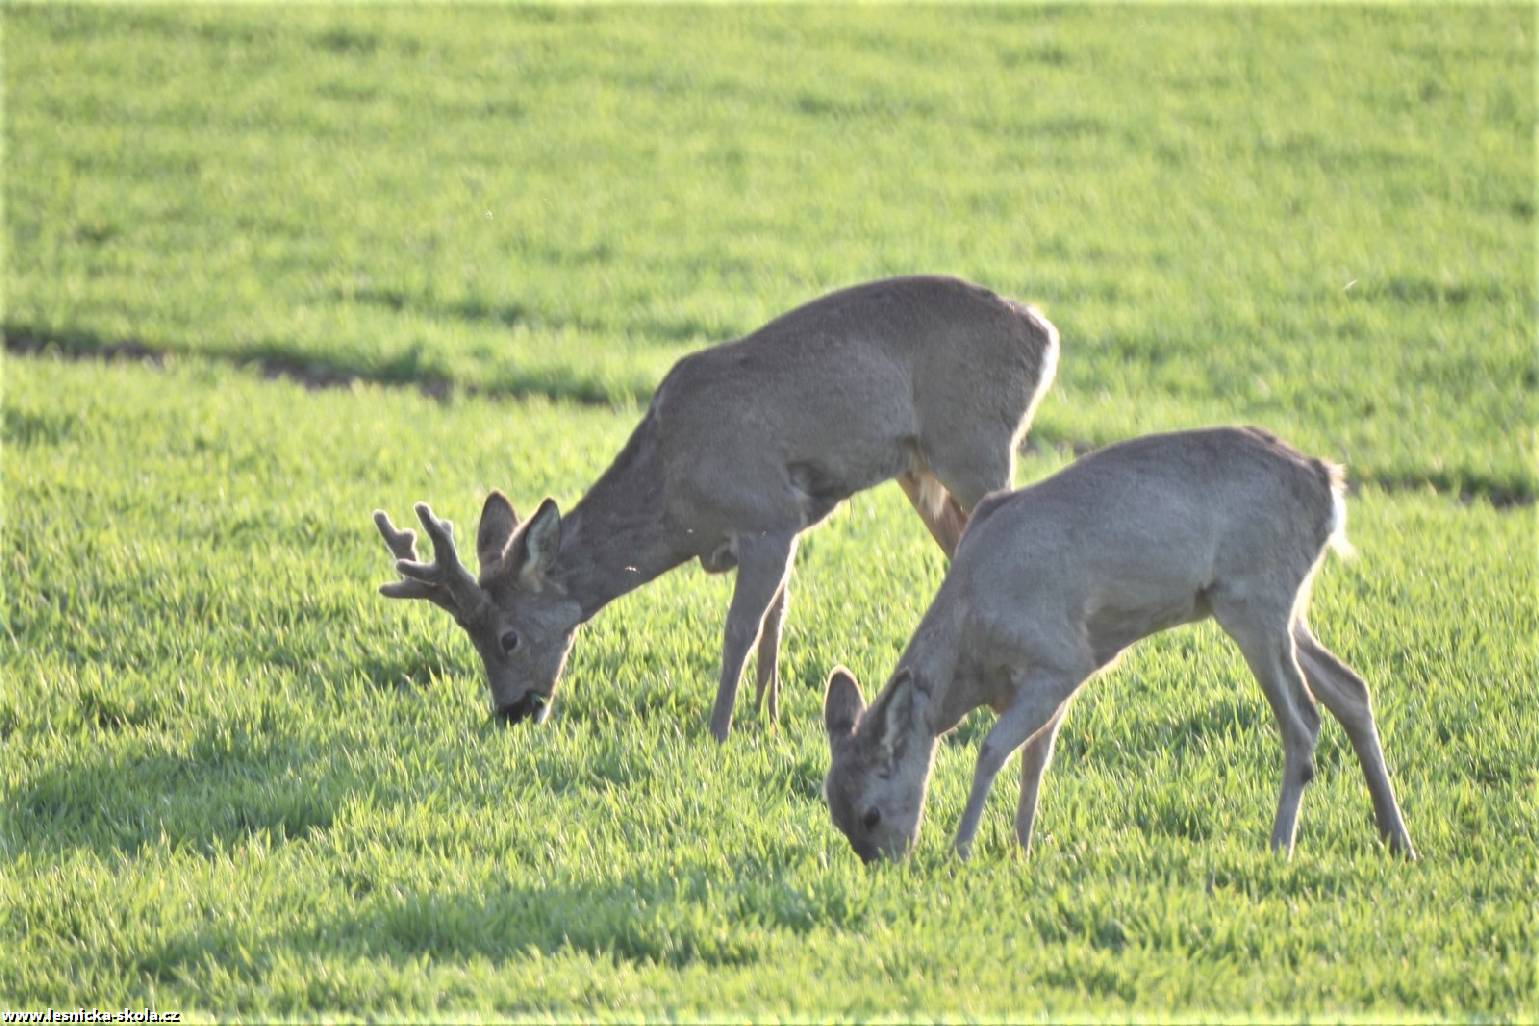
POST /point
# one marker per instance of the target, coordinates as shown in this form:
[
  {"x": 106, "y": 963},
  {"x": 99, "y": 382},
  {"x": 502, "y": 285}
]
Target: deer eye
[
  {"x": 871, "y": 818},
  {"x": 509, "y": 641}
]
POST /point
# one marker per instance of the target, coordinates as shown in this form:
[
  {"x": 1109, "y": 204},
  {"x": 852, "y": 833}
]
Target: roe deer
[
  {"x": 929, "y": 380},
  {"x": 1051, "y": 582}
]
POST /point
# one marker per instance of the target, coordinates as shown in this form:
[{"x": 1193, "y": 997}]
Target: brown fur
[
  {"x": 928, "y": 380},
  {"x": 1052, "y": 582}
]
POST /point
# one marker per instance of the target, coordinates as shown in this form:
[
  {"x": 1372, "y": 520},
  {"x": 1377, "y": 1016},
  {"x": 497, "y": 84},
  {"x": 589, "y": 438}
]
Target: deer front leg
[
  {"x": 763, "y": 560},
  {"x": 768, "y": 662},
  {"x": 1035, "y": 758},
  {"x": 1037, "y": 702}
]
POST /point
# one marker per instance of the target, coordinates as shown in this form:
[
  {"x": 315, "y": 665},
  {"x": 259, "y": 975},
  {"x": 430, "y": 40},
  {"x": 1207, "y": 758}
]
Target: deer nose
[{"x": 517, "y": 712}]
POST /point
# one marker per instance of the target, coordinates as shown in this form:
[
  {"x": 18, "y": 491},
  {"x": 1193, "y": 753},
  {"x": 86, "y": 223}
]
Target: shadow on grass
[
  {"x": 632, "y": 919},
  {"x": 391, "y": 669},
  {"x": 664, "y": 330},
  {"x": 229, "y": 785},
  {"x": 698, "y": 917},
  {"x": 409, "y": 368}
]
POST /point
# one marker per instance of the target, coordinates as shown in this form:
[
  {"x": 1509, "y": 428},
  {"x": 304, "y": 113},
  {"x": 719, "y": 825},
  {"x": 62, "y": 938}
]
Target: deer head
[
  {"x": 519, "y": 619},
  {"x": 876, "y": 784}
]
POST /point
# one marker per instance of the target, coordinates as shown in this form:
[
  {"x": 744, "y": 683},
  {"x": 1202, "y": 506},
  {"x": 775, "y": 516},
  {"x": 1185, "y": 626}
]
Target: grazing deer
[
  {"x": 929, "y": 380},
  {"x": 1052, "y": 582}
]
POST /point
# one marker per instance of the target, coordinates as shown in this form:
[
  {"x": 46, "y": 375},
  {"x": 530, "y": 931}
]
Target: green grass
[
  {"x": 236, "y": 781},
  {"x": 1322, "y": 220}
]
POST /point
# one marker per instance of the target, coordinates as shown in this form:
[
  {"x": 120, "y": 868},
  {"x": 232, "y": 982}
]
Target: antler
[{"x": 445, "y": 581}]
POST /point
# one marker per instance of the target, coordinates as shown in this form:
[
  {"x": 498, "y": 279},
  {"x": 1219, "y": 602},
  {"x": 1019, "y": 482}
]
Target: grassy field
[{"x": 237, "y": 782}]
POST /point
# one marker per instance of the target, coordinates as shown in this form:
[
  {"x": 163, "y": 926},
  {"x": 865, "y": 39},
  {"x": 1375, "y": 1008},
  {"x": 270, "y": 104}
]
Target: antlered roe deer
[
  {"x": 1052, "y": 582},
  {"x": 928, "y": 380}
]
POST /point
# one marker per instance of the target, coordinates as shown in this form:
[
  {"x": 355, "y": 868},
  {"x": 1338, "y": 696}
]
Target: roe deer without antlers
[
  {"x": 1051, "y": 582},
  {"x": 928, "y": 380}
]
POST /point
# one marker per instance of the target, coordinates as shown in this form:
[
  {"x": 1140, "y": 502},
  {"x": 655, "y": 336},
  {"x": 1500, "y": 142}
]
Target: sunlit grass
[
  {"x": 236, "y": 781},
  {"x": 1322, "y": 220}
]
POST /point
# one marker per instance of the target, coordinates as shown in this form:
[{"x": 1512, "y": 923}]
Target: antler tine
[
  {"x": 403, "y": 543},
  {"x": 446, "y": 570},
  {"x": 425, "y": 580}
]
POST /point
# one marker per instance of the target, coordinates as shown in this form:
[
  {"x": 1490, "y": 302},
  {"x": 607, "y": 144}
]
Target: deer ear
[
  {"x": 900, "y": 704},
  {"x": 498, "y": 522},
  {"x": 534, "y": 546},
  {"x": 842, "y": 704}
]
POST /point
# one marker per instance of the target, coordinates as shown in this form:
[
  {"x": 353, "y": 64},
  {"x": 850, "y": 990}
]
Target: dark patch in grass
[
  {"x": 1416, "y": 290},
  {"x": 1111, "y": 935},
  {"x": 399, "y": 671},
  {"x": 1174, "y": 814},
  {"x": 639, "y": 919},
  {"x": 505, "y": 314},
  {"x": 119, "y": 712},
  {"x": 1041, "y": 54},
  {"x": 1308, "y": 148},
  {"x": 230, "y": 34},
  {"x": 474, "y": 310},
  {"x": 36, "y": 427},
  {"x": 132, "y": 163},
  {"x": 1102, "y": 981},
  {"x": 342, "y": 39},
  {"x": 407, "y": 367},
  {"x": 805, "y": 780},
  {"x": 1223, "y": 718},
  {"x": 512, "y": 313},
  {"x": 410, "y": 369},
  {"x": 270, "y": 361},
  {"x": 550, "y": 15},
  {"x": 23, "y": 338},
  {"x": 96, "y": 233},
  {"x": 391, "y": 299},
  {"x": 230, "y": 786},
  {"x": 1501, "y": 493},
  {"x": 502, "y": 110},
  {"x": 840, "y": 107},
  {"x": 824, "y": 106},
  {"x": 346, "y": 92},
  {"x": 348, "y": 41}
]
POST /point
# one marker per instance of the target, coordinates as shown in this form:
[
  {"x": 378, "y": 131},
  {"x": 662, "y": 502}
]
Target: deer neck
[
  {"x": 933, "y": 657},
  {"x": 617, "y": 537}
]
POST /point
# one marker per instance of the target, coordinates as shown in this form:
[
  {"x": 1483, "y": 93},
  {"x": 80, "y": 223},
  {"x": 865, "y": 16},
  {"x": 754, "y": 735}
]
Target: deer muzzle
[{"x": 531, "y": 706}]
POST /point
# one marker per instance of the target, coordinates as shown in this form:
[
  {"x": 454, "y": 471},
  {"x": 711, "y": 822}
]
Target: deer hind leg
[
  {"x": 767, "y": 669},
  {"x": 951, "y": 478},
  {"x": 971, "y": 469},
  {"x": 935, "y": 507},
  {"x": 1345, "y": 694},
  {"x": 763, "y": 562},
  {"x": 1267, "y": 644}
]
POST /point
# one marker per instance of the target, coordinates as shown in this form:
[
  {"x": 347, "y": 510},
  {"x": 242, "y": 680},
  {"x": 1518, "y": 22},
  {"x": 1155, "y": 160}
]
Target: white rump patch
[
  {"x": 1049, "y": 367},
  {"x": 1338, "y": 537}
]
